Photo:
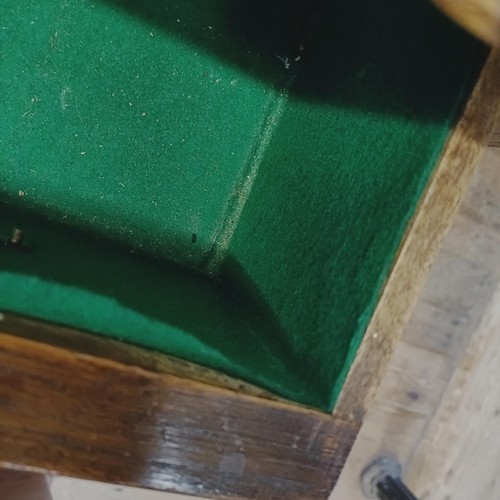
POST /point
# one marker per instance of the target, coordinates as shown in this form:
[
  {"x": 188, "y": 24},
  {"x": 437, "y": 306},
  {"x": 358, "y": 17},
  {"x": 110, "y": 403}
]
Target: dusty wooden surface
[
  {"x": 127, "y": 354},
  {"x": 458, "y": 456},
  {"x": 94, "y": 418},
  {"x": 438, "y": 406}
]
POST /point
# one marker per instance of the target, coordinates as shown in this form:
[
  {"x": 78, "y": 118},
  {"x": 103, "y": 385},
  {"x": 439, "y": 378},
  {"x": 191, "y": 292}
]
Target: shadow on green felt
[
  {"x": 390, "y": 57},
  {"x": 180, "y": 312},
  {"x": 317, "y": 236}
]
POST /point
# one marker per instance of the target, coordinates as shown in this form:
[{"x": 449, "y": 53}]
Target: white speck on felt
[
  {"x": 285, "y": 61},
  {"x": 63, "y": 97}
]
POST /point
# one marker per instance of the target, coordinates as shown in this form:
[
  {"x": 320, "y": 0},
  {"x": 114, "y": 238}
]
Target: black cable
[{"x": 390, "y": 488}]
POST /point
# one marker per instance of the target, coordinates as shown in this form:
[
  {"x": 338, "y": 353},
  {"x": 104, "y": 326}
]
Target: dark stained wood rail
[
  {"x": 126, "y": 354},
  {"x": 99, "y": 419}
]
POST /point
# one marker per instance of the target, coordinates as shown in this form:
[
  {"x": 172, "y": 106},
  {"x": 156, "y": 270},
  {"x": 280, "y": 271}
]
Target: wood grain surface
[
  {"x": 127, "y": 354},
  {"x": 480, "y": 17},
  {"x": 458, "y": 455},
  {"x": 98, "y": 419}
]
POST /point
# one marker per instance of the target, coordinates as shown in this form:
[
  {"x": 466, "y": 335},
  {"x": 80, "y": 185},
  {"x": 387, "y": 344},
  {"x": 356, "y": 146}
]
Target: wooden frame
[{"x": 79, "y": 405}]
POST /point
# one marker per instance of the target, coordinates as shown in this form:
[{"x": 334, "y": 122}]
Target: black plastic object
[
  {"x": 382, "y": 479},
  {"x": 392, "y": 488}
]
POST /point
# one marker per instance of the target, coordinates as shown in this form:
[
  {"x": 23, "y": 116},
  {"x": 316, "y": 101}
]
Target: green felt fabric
[
  {"x": 343, "y": 173},
  {"x": 108, "y": 289},
  {"x": 114, "y": 121},
  {"x": 277, "y": 147}
]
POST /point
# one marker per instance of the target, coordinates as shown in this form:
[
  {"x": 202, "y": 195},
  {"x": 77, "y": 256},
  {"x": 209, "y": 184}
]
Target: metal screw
[
  {"x": 16, "y": 238},
  {"x": 16, "y": 241}
]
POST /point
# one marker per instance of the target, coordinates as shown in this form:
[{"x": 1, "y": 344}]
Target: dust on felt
[
  {"x": 63, "y": 97},
  {"x": 66, "y": 100}
]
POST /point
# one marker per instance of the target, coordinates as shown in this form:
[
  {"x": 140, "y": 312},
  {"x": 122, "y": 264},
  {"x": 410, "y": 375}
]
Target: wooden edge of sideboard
[
  {"x": 419, "y": 248},
  {"x": 80, "y": 415},
  {"x": 124, "y": 353}
]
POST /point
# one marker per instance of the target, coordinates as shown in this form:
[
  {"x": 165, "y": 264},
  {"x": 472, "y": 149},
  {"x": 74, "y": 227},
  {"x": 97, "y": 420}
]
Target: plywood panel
[{"x": 458, "y": 457}]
